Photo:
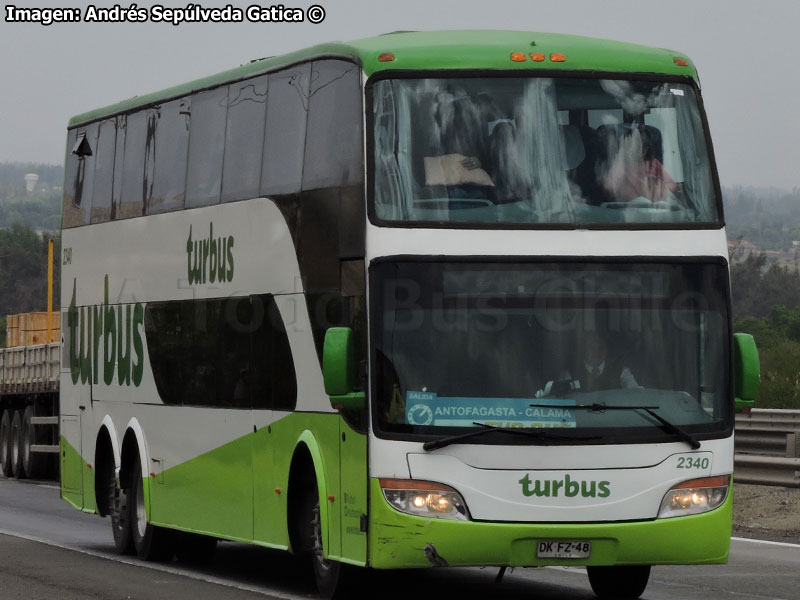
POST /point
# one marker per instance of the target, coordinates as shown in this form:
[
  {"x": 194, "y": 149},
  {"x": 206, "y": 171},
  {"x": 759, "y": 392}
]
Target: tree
[{"x": 23, "y": 272}]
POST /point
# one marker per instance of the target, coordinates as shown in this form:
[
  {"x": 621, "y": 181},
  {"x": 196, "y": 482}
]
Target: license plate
[{"x": 563, "y": 549}]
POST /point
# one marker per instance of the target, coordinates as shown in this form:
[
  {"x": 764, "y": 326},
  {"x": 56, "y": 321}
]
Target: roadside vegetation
[{"x": 766, "y": 304}]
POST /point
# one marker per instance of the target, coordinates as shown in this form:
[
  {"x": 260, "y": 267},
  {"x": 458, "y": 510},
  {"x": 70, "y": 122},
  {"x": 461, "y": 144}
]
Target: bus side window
[
  {"x": 80, "y": 175},
  {"x": 119, "y": 153},
  {"x": 70, "y": 217},
  {"x": 133, "y": 166},
  {"x": 206, "y": 147},
  {"x": 285, "y": 130},
  {"x": 223, "y": 353},
  {"x": 333, "y": 154},
  {"x": 171, "y": 149},
  {"x": 104, "y": 172},
  {"x": 274, "y": 380},
  {"x": 244, "y": 139}
]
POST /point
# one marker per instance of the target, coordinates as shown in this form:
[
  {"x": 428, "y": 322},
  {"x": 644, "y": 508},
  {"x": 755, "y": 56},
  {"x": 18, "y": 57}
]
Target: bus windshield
[
  {"x": 531, "y": 151},
  {"x": 464, "y": 344}
]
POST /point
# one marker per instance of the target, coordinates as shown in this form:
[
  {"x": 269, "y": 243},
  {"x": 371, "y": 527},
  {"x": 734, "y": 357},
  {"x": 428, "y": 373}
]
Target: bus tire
[
  {"x": 326, "y": 572},
  {"x": 120, "y": 514},
  {"x": 5, "y": 443},
  {"x": 152, "y": 543},
  {"x": 33, "y": 463},
  {"x": 620, "y": 582},
  {"x": 16, "y": 445}
]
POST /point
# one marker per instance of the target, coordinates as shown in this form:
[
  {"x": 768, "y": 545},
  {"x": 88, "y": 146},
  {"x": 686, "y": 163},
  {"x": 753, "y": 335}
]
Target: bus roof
[{"x": 438, "y": 50}]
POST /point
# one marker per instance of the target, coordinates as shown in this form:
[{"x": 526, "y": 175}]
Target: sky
[{"x": 746, "y": 52}]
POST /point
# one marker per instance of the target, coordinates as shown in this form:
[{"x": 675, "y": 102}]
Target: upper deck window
[{"x": 540, "y": 151}]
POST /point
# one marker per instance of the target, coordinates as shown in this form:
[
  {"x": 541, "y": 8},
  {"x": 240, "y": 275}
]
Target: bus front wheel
[
  {"x": 619, "y": 583},
  {"x": 326, "y": 572}
]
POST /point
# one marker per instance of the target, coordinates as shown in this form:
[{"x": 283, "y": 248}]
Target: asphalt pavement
[{"x": 49, "y": 550}]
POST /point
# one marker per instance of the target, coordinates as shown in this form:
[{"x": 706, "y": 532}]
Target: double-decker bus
[{"x": 424, "y": 299}]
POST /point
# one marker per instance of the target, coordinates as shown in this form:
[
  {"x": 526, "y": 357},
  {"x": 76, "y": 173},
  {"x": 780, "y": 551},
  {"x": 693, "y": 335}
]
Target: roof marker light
[
  {"x": 557, "y": 57},
  {"x": 681, "y": 62},
  {"x": 518, "y": 57},
  {"x": 537, "y": 56},
  {"x": 386, "y": 57}
]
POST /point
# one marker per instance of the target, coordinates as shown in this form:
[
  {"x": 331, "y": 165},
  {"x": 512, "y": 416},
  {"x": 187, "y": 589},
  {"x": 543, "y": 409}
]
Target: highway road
[{"x": 49, "y": 550}]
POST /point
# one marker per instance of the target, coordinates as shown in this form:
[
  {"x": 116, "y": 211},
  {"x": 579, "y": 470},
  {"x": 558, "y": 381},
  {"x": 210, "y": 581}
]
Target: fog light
[
  {"x": 695, "y": 496},
  {"x": 424, "y": 499}
]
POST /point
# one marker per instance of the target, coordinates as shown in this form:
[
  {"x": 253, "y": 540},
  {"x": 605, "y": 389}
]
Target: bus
[{"x": 425, "y": 299}]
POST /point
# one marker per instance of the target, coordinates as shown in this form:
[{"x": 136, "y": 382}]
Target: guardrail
[
  {"x": 771, "y": 418},
  {"x": 767, "y": 446}
]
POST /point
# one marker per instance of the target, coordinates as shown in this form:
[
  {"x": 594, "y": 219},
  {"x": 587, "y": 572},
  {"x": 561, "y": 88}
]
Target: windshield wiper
[
  {"x": 665, "y": 425},
  {"x": 538, "y": 434}
]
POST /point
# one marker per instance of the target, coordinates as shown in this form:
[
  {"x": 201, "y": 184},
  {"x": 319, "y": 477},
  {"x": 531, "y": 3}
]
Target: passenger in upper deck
[
  {"x": 634, "y": 171},
  {"x": 460, "y": 140}
]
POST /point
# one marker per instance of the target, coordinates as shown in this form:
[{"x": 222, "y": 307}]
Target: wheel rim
[{"x": 141, "y": 513}]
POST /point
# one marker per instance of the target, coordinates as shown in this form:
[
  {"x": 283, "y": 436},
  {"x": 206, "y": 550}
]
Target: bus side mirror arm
[{"x": 339, "y": 370}]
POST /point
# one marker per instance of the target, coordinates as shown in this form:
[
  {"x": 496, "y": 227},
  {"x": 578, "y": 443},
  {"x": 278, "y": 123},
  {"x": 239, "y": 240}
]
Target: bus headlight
[
  {"x": 424, "y": 499},
  {"x": 695, "y": 496}
]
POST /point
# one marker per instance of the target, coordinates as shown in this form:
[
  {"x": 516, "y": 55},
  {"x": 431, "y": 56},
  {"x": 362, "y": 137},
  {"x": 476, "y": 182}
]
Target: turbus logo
[
  {"x": 101, "y": 338},
  {"x": 570, "y": 487},
  {"x": 209, "y": 259}
]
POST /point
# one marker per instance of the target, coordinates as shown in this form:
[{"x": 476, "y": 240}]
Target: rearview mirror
[
  {"x": 339, "y": 370},
  {"x": 747, "y": 371}
]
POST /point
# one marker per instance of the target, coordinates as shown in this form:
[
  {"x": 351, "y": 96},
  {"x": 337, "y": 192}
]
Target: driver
[{"x": 598, "y": 370}]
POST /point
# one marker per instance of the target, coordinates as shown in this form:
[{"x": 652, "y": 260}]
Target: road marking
[
  {"x": 785, "y": 544},
  {"x": 48, "y": 486},
  {"x": 263, "y": 590}
]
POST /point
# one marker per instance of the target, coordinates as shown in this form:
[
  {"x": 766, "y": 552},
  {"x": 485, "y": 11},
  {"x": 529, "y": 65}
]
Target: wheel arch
[
  {"x": 306, "y": 456},
  {"x": 134, "y": 447},
  {"x": 106, "y": 462}
]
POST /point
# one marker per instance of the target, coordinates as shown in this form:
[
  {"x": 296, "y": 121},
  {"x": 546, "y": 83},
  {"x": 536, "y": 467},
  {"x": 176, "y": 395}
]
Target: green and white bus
[{"x": 424, "y": 299}]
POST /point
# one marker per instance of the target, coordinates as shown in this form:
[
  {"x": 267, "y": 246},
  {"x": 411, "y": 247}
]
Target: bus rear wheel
[
  {"x": 5, "y": 443},
  {"x": 121, "y": 521},
  {"x": 152, "y": 543},
  {"x": 619, "y": 583}
]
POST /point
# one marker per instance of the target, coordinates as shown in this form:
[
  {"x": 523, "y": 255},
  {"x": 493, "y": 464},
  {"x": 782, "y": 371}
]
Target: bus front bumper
[{"x": 398, "y": 540}]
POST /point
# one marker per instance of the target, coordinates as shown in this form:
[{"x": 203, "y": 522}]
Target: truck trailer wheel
[
  {"x": 16, "y": 445},
  {"x": 33, "y": 463},
  {"x": 5, "y": 443}
]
